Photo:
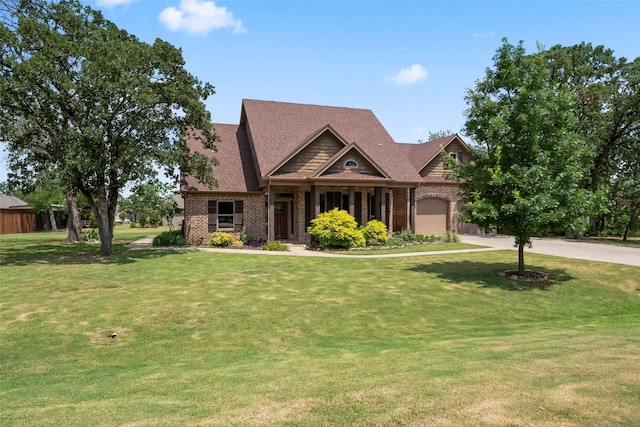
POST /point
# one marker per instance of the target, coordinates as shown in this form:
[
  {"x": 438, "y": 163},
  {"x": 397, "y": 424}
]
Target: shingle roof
[
  {"x": 421, "y": 154},
  {"x": 278, "y": 128},
  {"x": 12, "y": 202},
  {"x": 235, "y": 173}
]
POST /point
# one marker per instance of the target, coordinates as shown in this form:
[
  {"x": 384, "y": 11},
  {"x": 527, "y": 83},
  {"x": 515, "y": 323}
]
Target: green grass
[{"x": 218, "y": 339}]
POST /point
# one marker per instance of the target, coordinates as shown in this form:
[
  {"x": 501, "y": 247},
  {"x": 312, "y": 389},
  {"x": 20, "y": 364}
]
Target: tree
[
  {"x": 99, "y": 106},
  {"x": 526, "y": 176},
  {"x": 606, "y": 101},
  {"x": 439, "y": 134},
  {"x": 625, "y": 191},
  {"x": 23, "y": 176},
  {"x": 150, "y": 203}
]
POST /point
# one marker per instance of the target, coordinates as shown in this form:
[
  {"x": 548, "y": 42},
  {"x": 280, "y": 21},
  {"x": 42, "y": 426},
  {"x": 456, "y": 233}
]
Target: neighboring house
[
  {"x": 286, "y": 163},
  {"x": 178, "y": 215},
  {"x": 15, "y": 216}
]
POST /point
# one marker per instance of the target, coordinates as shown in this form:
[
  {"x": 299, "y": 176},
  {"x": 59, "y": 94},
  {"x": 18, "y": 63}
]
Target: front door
[{"x": 280, "y": 220}]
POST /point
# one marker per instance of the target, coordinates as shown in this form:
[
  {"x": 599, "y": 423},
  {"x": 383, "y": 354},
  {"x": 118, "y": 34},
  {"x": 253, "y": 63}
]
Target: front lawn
[{"x": 222, "y": 339}]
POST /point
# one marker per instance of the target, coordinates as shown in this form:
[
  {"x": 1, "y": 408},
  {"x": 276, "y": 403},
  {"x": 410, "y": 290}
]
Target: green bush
[
  {"x": 275, "y": 246},
  {"x": 169, "y": 238},
  {"x": 246, "y": 237},
  {"x": 336, "y": 229},
  {"x": 375, "y": 233},
  {"x": 451, "y": 237},
  {"x": 134, "y": 225},
  {"x": 220, "y": 238},
  {"x": 406, "y": 235},
  {"x": 422, "y": 238},
  {"x": 89, "y": 234},
  {"x": 396, "y": 241}
]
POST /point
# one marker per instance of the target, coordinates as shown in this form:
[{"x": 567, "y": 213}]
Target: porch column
[
  {"x": 380, "y": 210},
  {"x": 315, "y": 199},
  {"x": 352, "y": 201},
  {"x": 412, "y": 210},
  {"x": 383, "y": 207},
  {"x": 271, "y": 213}
]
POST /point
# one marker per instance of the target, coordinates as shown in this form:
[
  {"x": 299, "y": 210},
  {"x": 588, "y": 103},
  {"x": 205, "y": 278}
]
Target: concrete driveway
[{"x": 563, "y": 248}]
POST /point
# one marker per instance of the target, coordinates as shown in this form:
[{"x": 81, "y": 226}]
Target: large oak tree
[
  {"x": 97, "y": 105},
  {"x": 526, "y": 175},
  {"x": 607, "y": 103}
]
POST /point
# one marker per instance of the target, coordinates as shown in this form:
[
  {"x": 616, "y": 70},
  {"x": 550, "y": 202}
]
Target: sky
[{"x": 410, "y": 62}]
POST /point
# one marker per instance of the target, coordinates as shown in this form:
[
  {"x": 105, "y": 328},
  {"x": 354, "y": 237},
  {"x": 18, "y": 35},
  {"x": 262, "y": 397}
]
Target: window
[
  {"x": 454, "y": 156},
  {"x": 225, "y": 215},
  {"x": 350, "y": 164}
]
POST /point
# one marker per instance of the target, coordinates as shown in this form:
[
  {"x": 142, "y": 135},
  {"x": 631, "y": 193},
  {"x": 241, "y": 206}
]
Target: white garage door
[{"x": 431, "y": 216}]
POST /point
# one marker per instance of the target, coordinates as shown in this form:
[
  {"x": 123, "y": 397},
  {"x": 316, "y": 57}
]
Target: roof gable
[
  {"x": 312, "y": 153},
  {"x": 421, "y": 155},
  {"x": 359, "y": 163}
]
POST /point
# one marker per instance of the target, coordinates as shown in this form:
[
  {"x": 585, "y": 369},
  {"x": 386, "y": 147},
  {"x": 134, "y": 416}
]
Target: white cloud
[
  {"x": 112, "y": 3},
  {"x": 408, "y": 76},
  {"x": 199, "y": 17},
  {"x": 483, "y": 35}
]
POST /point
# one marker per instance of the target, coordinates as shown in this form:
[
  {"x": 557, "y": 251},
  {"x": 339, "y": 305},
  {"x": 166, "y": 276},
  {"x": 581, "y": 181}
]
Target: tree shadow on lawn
[
  {"x": 486, "y": 274},
  {"x": 63, "y": 254}
]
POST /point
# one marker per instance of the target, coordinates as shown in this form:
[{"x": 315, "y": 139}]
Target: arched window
[{"x": 350, "y": 164}]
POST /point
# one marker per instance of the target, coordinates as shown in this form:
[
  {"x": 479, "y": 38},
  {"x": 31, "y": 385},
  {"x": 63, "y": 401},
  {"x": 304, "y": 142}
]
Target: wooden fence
[{"x": 17, "y": 221}]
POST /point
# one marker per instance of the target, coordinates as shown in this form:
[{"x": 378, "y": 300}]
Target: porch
[{"x": 290, "y": 209}]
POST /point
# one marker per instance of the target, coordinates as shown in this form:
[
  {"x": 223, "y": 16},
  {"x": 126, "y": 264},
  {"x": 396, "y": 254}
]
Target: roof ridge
[{"x": 306, "y": 104}]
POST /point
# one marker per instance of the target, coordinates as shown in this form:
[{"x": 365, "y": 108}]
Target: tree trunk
[
  {"x": 100, "y": 208},
  {"x": 52, "y": 220},
  {"x": 625, "y": 235},
  {"x": 521, "y": 259},
  {"x": 105, "y": 227},
  {"x": 74, "y": 226}
]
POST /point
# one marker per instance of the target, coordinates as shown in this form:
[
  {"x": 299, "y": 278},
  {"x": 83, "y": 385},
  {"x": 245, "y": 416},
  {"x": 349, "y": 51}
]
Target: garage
[{"x": 432, "y": 216}]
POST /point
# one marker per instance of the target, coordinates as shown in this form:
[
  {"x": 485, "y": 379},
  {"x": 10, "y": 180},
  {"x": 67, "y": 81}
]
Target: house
[
  {"x": 15, "y": 216},
  {"x": 285, "y": 163}
]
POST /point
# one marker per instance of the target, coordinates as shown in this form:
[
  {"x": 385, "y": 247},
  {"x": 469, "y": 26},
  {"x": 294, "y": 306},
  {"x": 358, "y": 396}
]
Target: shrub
[
  {"x": 237, "y": 244},
  {"x": 134, "y": 225},
  {"x": 421, "y": 238},
  {"x": 396, "y": 241},
  {"x": 169, "y": 238},
  {"x": 246, "y": 237},
  {"x": 90, "y": 234},
  {"x": 451, "y": 237},
  {"x": 375, "y": 233},
  {"x": 336, "y": 229},
  {"x": 406, "y": 235},
  {"x": 274, "y": 245},
  {"x": 220, "y": 238},
  {"x": 258, "y": 243}
]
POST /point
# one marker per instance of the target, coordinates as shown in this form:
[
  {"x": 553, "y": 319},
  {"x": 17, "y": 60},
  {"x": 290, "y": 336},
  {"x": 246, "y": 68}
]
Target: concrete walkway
[{"x": 555, "y": 247}]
